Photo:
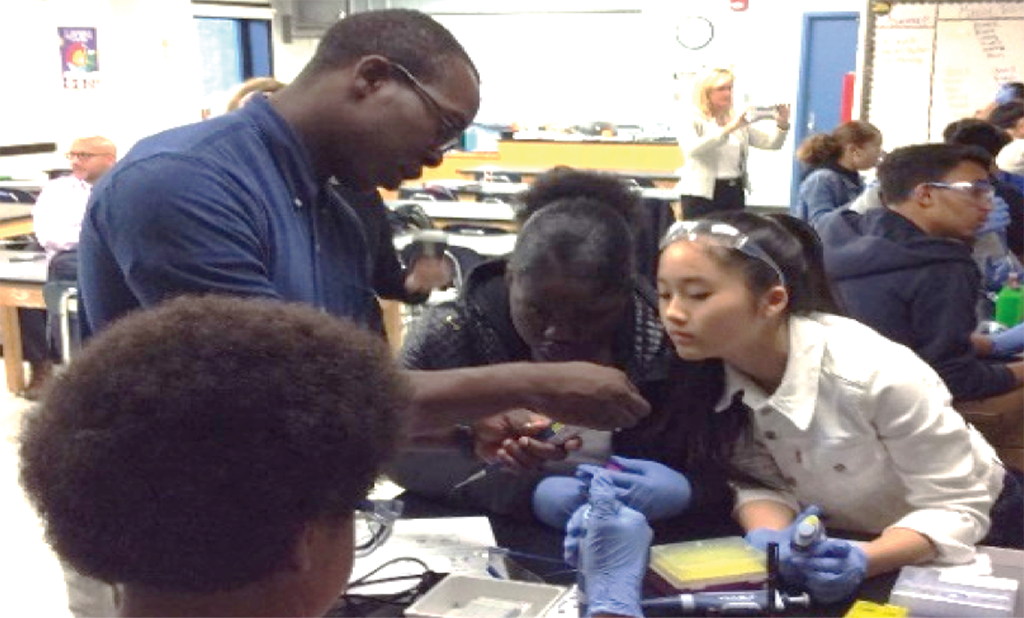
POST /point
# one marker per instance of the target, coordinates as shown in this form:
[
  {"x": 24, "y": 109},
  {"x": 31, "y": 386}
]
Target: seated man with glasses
[
  {"x": 907, "y": 271},
  {"x": 212, "y": 471}
]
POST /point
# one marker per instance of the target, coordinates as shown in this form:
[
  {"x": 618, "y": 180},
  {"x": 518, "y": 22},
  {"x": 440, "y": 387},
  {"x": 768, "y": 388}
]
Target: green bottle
[{"x": 1010, "y": 302}]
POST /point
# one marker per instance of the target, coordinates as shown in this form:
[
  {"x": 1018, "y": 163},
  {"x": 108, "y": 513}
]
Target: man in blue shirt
[{"x": 240, "y": 205}]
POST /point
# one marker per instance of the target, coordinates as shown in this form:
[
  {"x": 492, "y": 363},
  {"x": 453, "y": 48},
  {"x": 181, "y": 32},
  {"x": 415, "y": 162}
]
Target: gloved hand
[
  {"x": 1008, "y": 342},
  {"x": 998, "y": 218},
  {"x": 760, "y": 537},
  {"x": 556, "y": 498},
  {"x": 833, "y": 570},
  {"x": 609, "y": 543},
  {"x": 652, "y": 488},
  {"x": 996, "y": 271}
]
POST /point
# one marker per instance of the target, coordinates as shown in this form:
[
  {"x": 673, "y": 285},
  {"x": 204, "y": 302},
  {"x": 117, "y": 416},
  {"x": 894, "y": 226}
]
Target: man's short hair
[
  {"x": 1007, "y": 115},
  {"x": 410, "y": 38},
  {"x": 905, "y": 168},
  {"x": 976, "y": 132},
  {"x": 188, "y": 445}
]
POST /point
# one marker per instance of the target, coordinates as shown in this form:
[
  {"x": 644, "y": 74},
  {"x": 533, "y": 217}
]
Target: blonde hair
[
  {"x": 710, "y": 79},
  {"x": 251, "y": 85}
]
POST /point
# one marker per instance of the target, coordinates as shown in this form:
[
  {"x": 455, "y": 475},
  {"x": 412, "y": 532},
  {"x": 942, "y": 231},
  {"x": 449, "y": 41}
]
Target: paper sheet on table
[{"x": 446, "y": 544}]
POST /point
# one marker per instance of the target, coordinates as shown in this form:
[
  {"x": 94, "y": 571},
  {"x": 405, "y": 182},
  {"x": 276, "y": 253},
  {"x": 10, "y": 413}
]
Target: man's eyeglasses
[
  {"x": 374, "y": 521},
  {"x": 85, "y": 156},
  {"x": 979, "y": 189},
  {"x": 719, "y": 235},
  {"x": 449, "y": 130}
]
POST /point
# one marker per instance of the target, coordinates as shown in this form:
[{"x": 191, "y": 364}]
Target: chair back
[{"x": 61, "y": 299}]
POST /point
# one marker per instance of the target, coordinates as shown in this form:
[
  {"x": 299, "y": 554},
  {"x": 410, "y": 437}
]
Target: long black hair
[{"x": 706, "y": 438}]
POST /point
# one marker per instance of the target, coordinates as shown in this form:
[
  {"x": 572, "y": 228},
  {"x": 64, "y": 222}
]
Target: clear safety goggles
[
  {"x": 374, "y": 521},
  {"x": 719, "y": 234}
]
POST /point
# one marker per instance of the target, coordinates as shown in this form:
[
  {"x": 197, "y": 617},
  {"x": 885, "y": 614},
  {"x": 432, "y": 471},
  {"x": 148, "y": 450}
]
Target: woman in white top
[
  {"x": 715, "y": 141},
  {"x": 828, "y": 412}
]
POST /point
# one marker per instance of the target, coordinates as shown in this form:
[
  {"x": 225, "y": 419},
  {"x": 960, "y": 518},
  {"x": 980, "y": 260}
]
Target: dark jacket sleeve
[
  {"x": 444, "y": 339},
  {"x": 682, "y": 408},
  {"x": 942, "y": 320}
]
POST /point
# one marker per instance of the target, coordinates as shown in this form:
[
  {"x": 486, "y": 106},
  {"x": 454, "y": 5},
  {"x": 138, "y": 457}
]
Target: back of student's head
[
  {"x": 823, "y": 148},
  {"x": 794, "y": 247},
  {"x": 1007, "y": 115},
  {"x": 976, "y": 132},
  {"x": 566, "y": 182},
  {"x": 187, "y": 446},
  {"x": 579, "y": 237},
  {"x": 1009, "y": 91},
  {"x": 410, "y": 38},
  {"x": 907, "y": 167}
]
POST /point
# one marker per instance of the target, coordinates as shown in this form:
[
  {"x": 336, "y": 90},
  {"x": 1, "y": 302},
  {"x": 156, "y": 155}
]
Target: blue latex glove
[
  {"x": 1004, "y": 94},
  {"x": 609, "y": 543},
  {"x": 998, "y": 218},
  {"x": 760, "y": 537},
  {"x": 833, "y": 570},
  {"x": 1009, "y": 342},
  {"x": 556, "y": 498},
  {"x": 995, "y": 272},
  {"x": 652, "y": 488}
]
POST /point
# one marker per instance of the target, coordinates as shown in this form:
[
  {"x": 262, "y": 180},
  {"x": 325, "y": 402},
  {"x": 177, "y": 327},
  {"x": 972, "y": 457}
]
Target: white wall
[
  {"x": 541, "y": 69},
  {"x": 146, "y": 52}
]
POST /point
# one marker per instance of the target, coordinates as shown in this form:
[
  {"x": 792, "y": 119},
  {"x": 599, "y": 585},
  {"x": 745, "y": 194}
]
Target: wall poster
[{"x": 79, "y": 60}]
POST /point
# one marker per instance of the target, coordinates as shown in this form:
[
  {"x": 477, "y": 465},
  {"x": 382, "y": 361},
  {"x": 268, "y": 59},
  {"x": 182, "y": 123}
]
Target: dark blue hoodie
[{"x": 915, "y": 289}]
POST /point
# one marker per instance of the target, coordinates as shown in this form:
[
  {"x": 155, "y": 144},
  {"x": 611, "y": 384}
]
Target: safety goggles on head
[
  {"x": 374, "y": 520},
  {"x": 719, "y": 234},
  {"x": 979, "y": 189}
]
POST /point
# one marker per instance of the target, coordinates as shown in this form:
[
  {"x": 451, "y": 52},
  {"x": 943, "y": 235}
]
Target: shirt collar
[
  {"x": 290, "y": 152},
  {"x": 797, "y": 396}
]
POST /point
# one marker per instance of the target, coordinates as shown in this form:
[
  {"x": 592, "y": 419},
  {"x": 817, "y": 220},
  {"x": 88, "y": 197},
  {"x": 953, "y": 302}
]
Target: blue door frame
[{"x": 828, "y": 50}]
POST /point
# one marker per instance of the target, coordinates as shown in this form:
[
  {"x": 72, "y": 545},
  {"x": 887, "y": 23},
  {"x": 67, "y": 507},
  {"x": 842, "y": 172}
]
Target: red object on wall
[
  {"x": 846, "y": 104},
  {"x": 738, "y": 5}
]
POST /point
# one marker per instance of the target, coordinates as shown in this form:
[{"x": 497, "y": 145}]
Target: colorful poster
[{"x": 79, "y": 60}]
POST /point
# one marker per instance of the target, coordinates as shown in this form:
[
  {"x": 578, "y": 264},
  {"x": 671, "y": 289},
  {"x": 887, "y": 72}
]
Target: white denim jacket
[
  {"x": 700, "y": 138},
  {"x": 865, "y": 429}
]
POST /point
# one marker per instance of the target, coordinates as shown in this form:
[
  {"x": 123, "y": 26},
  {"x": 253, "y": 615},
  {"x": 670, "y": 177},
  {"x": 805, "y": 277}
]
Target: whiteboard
[{"x": 930, "y": 63}]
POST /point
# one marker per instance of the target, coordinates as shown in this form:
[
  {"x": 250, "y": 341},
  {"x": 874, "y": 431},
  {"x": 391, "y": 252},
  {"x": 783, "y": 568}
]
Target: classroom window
[{"x": 232, "y": 51}]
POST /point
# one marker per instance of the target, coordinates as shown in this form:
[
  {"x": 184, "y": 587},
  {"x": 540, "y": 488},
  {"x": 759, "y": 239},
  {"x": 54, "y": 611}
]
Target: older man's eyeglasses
[
  {"x": 449, "y": 129},
  {"x": 720, "y": 235},
  {"x": 979, "y": 189},
  {"x": 374, "y": 521},
  {"x": 84, "y": 156}
]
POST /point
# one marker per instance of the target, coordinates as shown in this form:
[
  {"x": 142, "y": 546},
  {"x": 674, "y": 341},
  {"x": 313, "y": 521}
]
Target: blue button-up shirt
[{"x": 228, "y": 205}]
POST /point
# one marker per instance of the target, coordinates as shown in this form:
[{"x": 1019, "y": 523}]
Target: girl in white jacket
[{"x": 830, "y": 412}]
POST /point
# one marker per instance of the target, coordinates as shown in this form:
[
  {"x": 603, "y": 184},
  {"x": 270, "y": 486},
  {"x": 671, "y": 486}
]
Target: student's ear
[
  {"x": 922, "y": 194},
  {"x": 370, "y": 73},
  {"x": 301, "y": 558},
  {"x": 775, "y": 301}
]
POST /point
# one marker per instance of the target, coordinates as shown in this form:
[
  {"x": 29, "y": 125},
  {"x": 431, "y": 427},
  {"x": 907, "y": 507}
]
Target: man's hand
[
  {"x": 426, "y": 274},
  {"x": 506, "y": 437},
  {"x": 585, "y": 394}
]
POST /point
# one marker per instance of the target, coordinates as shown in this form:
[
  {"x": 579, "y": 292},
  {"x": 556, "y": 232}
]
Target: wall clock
[{"x": 695, "y": 32}]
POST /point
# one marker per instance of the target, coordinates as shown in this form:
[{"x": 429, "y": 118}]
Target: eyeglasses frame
[
  {"x": 85, "y": 156},
  {"x": 449, "y": 131},
  {"x": 382, "y": 513},
  {"x": 969, "y": 188}
]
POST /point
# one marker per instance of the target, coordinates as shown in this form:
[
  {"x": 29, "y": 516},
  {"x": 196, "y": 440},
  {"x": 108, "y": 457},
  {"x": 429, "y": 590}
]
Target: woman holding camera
[{"x": 715, "y": 142}]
